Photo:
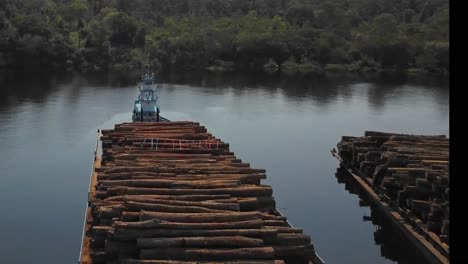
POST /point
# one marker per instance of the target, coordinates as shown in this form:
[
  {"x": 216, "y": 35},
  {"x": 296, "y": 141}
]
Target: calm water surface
[{"x": 286, "y": 125}]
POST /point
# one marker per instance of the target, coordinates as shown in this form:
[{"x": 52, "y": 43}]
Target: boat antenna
[{"x": 147, "y": 64}]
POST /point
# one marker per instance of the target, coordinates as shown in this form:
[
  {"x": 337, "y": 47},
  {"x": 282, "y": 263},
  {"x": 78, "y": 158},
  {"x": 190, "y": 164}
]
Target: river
[{"x": 286, "y": 125}]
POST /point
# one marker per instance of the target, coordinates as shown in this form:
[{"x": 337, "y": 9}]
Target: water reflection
[
  {"x": 322, "y": 89},
  {"x": 393, "y": 245}
]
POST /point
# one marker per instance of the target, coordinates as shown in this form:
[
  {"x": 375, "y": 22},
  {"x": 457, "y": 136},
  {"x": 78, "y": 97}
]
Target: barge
[
  {"x": 406, "y": 178},
  {"x": 171, "y": 192}
]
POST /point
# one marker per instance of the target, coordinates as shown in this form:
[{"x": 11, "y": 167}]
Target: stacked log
[
  {"x": 410, "y": 169},
  {"x": 173, "y": 193}
]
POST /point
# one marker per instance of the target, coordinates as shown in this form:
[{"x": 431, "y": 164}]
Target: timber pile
[
  {"x": 173, "y": 193},
  {"x": 411, "y": 170}
]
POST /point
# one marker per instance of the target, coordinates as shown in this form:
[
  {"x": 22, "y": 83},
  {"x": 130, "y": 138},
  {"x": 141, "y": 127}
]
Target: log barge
[
  {"x": 171, "y": 192},
  {"x": 407, "y": 178}
]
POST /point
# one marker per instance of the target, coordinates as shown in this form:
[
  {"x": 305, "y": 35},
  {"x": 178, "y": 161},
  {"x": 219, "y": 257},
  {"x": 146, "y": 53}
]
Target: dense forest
[{"x": 289, "y": 35}]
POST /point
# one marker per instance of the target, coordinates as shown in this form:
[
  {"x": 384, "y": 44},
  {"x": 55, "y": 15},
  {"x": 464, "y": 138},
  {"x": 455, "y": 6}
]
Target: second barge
[{"x": 406, "y": 177}]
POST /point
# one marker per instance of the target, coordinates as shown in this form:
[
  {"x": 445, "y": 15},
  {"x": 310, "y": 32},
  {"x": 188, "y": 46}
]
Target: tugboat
[{"x": 145, "y": 108}]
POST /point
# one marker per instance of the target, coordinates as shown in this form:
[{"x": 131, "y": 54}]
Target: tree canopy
[{"x": 355, "y": 35}]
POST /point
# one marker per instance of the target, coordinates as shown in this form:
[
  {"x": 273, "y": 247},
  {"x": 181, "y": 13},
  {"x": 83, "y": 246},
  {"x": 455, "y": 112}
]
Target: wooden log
[
  {"x": 211, "y": 242},
  {"x": 100, "y": 230},
  {"x": 373, "y": 155},
  {"x": 174, "y": 200},
  {"x": 241, "y": 191},
  {"x": 127, "y": 175},
  {"x": 97, "y": 203},
  {"x": 130, "y": 216},
  {"x": 182, "y": 146},
  {"x": 242, "y": 178},
  {"x": 138, "y": 203},
  {"x": 98, "y": 241},
  {"x": 201, "y": 217},
  {"x": 196, "y": 197},
  {"x": 132, "y": 234},
  {"x": 288, "y": 239},
  {"x": 137, "y": 206},
  {"x": 110, "y": 211},
  {"x": 284, "y": 229},
  {"x": 128, "y": 169},
  {"x": 268, "y": 216},
  {"x": 155, "y": 223},
  {"x": 260, "y": 253},
  {"x": 101, "y": 194},
  {"x": 276, "y": 223},
  {"x": 376, "y": 133},
  {"x": 157, "y": 155},
  {"x": 141, "y": 261},
  {"x": 162, "y": 169},
  {"x": 423, "y": 183},
  {"x": 190, "y": 151},
  {"x": 124, "y": 247},
  {"x": 250, "y": 204}
]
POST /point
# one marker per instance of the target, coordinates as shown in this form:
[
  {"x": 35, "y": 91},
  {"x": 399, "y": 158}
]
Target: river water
[{"x": 286, "y": 125}]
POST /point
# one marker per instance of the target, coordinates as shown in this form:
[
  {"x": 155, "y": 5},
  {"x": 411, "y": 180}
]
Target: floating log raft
[
  {"x": 408, "y": 172},
  {"x": 173, "y": 193}
]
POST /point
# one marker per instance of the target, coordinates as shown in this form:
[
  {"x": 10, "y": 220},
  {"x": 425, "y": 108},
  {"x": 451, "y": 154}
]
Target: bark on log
[
  {"x": 174, "y": 183},
  {"x": 241, "y": 191},
  {"x": 135, "y": 203},
  {"x": 124, "y": 247},
  {"x": 260, "y": 253},
  {"x": 201, "y": 218},
  {"x": 212, "y": 242},
  {"x": 170, "y": 208},
  {"x": 288, "y": 239},
  {"x": 141, "y": 261},
  {"x": 154, "y": 223},
  {"x": 196, "y": 197},
  {"x": 132, "y": 234}
]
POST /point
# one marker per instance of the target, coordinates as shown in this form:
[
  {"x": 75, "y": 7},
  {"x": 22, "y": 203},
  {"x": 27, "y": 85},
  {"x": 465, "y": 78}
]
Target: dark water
[
  {"x": 393, "y": 245},
  {"x": 285, "y": 125}
]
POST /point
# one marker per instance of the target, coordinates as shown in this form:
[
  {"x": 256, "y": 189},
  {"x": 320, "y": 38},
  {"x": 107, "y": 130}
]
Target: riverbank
[{"x": 219, "y": 77}]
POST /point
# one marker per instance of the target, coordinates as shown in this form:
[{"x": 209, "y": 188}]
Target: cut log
[
  {"x": 141, "y": 204},
  {"x": 121, "y": 247},
  {"x": 141, "y": 261},
  {"x": 202, "y": 217},
  {"x": 288, "y": 239},
  {"x": 215, "y": 242},
  {"x": 154, "y": 223},
  {"x": 241, "y": 191},
  {"x": 174, "y": 183},
  {"x": 209, "y": 254},
  {"x": 170, "y": 208},
  {"x": 197, "y": 197},
  {"x": 132, "y": 234}
]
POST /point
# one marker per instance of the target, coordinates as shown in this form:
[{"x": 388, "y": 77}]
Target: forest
[{"x": 319, "y": 36}]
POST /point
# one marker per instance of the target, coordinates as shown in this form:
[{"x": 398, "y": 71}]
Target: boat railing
[{"x": 89, "y": 194}]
